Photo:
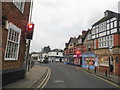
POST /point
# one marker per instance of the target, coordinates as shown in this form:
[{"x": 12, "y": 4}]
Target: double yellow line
[{"x": 45, "y": 80}]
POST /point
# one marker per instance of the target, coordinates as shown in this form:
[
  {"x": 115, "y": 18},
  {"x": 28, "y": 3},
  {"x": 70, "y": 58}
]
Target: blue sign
[{"x": 88, "y": 60}]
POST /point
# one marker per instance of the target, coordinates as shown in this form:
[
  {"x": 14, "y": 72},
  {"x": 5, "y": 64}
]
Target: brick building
[
  {"x": 80, "y": 47},
  {"x": 70, "y": 50},
  {"x": 106, "y": 35},
  {"x": 15, "y": 16},
  {"x": 88, "y": 57}
]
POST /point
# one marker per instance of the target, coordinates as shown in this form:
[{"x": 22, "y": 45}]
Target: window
[
  {"x": 93, "y": 36},
  {"x": 111, "y": 40},
  {"x": 89, "y": 37},
  {"x": 113, "y": 19},
  {"x": 108, "y": 26},
  {"x": 106, "y": 41},
  {"x": 104, "y": 61},
  {"x": 104, "y": 26},
  {"x": 93, "y": 31},
  {"x": 111, "y": 25},
  {"x": 12, "y": 46},
  {"x": 96, "y": 30},
  {"x": 99, "y": 40},
  {"x": 108, "y": 21},
  {"x": 113, "y": 30},
  {"x": 117, "y": 59},
  {"x": 102, "y": 34},
  {"x": 119, "y": 23},
  {"x": 108, "y": 32},
  {"x": 115, "y": 23},
  {"x": 19, "y": 4}
]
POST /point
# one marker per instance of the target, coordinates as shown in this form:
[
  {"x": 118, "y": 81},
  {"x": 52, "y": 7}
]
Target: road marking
[
  {"x": 47, "y": 79},
  {"x": 59, "y": 81},
  {"x": 47, "y": 76}
]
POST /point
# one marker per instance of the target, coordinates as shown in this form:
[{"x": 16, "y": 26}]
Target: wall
[
  {"x": 20, "y": 20},
  {"x": 60, "y": 54},
  {"x": 116, "y": 39}
]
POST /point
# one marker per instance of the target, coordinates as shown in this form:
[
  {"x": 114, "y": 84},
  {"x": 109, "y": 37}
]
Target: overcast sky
[{"x": 58, "y": 20}]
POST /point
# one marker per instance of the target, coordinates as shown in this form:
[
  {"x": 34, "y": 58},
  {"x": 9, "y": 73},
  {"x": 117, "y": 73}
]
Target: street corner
[{"x": 41, "y": 82}]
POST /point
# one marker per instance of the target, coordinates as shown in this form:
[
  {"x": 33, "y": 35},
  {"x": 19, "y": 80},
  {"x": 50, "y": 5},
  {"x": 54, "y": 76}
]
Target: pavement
[
  {"x": 35, "y": 74},
  {"x": 113, "y": 78}
]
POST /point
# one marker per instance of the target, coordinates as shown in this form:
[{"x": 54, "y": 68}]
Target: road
[{"x": 66, "y": 76}]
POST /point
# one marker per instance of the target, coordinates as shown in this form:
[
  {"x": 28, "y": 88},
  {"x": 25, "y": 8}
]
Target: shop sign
[
  {"x": 88, "y": 62},
  {"x": 78, "y": 55}
]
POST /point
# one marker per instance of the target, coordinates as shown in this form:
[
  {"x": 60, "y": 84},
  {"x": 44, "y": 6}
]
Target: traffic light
[
  {"x": 77, "y": 52},
  {"x": 30, "y": 28}
]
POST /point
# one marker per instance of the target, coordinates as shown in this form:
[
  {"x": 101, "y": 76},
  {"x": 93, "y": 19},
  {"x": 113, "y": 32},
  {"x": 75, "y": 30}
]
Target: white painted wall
[
  {"x": 35, "y": 55},
  {"x": 41, "y": 56},
  {"x": 60, "y": 54}
]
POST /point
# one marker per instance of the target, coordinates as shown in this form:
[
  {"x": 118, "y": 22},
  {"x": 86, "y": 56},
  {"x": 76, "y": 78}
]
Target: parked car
[{"x": 46, "y": 61}]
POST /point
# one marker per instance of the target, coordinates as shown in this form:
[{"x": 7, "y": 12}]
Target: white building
[
  {"x": 43, "y": 55},
  {"x": 56, "y": 55},
  {"x": 36, "y": 56}
]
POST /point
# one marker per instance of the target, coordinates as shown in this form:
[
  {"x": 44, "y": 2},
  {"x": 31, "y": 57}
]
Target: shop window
[{"x": 117, "y": 59}]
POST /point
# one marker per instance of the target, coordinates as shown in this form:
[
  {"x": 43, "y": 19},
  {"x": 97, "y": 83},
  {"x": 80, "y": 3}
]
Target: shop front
[
  {"x": 70, "y": 59},
  {"x": 78, "y": 60},
  {"x": 88, "y": 60},
  {"x": 103, "y": 63}
]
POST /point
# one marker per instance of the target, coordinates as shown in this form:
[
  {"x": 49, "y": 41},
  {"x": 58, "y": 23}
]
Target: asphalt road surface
[{"x": 66, "y": 76}]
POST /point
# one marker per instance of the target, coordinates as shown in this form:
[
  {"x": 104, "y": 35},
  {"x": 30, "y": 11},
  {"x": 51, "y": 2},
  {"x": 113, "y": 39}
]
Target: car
[{"x": 45, "y": 61}]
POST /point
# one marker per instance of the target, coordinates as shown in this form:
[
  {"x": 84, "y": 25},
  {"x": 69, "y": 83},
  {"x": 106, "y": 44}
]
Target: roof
[
  {"x": 80, "y": 36},
  {"x": 46, "y": 49},
  {"x": 88, "y": 31},
  {"x": 57, "y": 50},
  {"x": 73, "y": 39},
  {"x": 110, "y": 15}
]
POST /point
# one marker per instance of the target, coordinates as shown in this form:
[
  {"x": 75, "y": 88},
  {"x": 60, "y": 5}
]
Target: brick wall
[
  {"x": 20, "y": 20},
  {"x": 116, "y": 39},
  {"x": 97, "y": 43}
]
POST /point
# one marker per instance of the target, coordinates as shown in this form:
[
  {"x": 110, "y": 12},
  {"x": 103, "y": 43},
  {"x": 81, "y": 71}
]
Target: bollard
[
  {"x": 95, "y": 69},
  {"x": 106, "y": 73},
  {"x": 88, "y": 67}
]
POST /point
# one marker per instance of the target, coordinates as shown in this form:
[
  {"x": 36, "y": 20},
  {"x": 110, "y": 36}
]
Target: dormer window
[{"x": 106, "y": 13}]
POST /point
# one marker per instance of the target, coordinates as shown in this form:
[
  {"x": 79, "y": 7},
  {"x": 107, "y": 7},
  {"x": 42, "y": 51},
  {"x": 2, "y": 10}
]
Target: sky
[{"x": 58, "y": 20}]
